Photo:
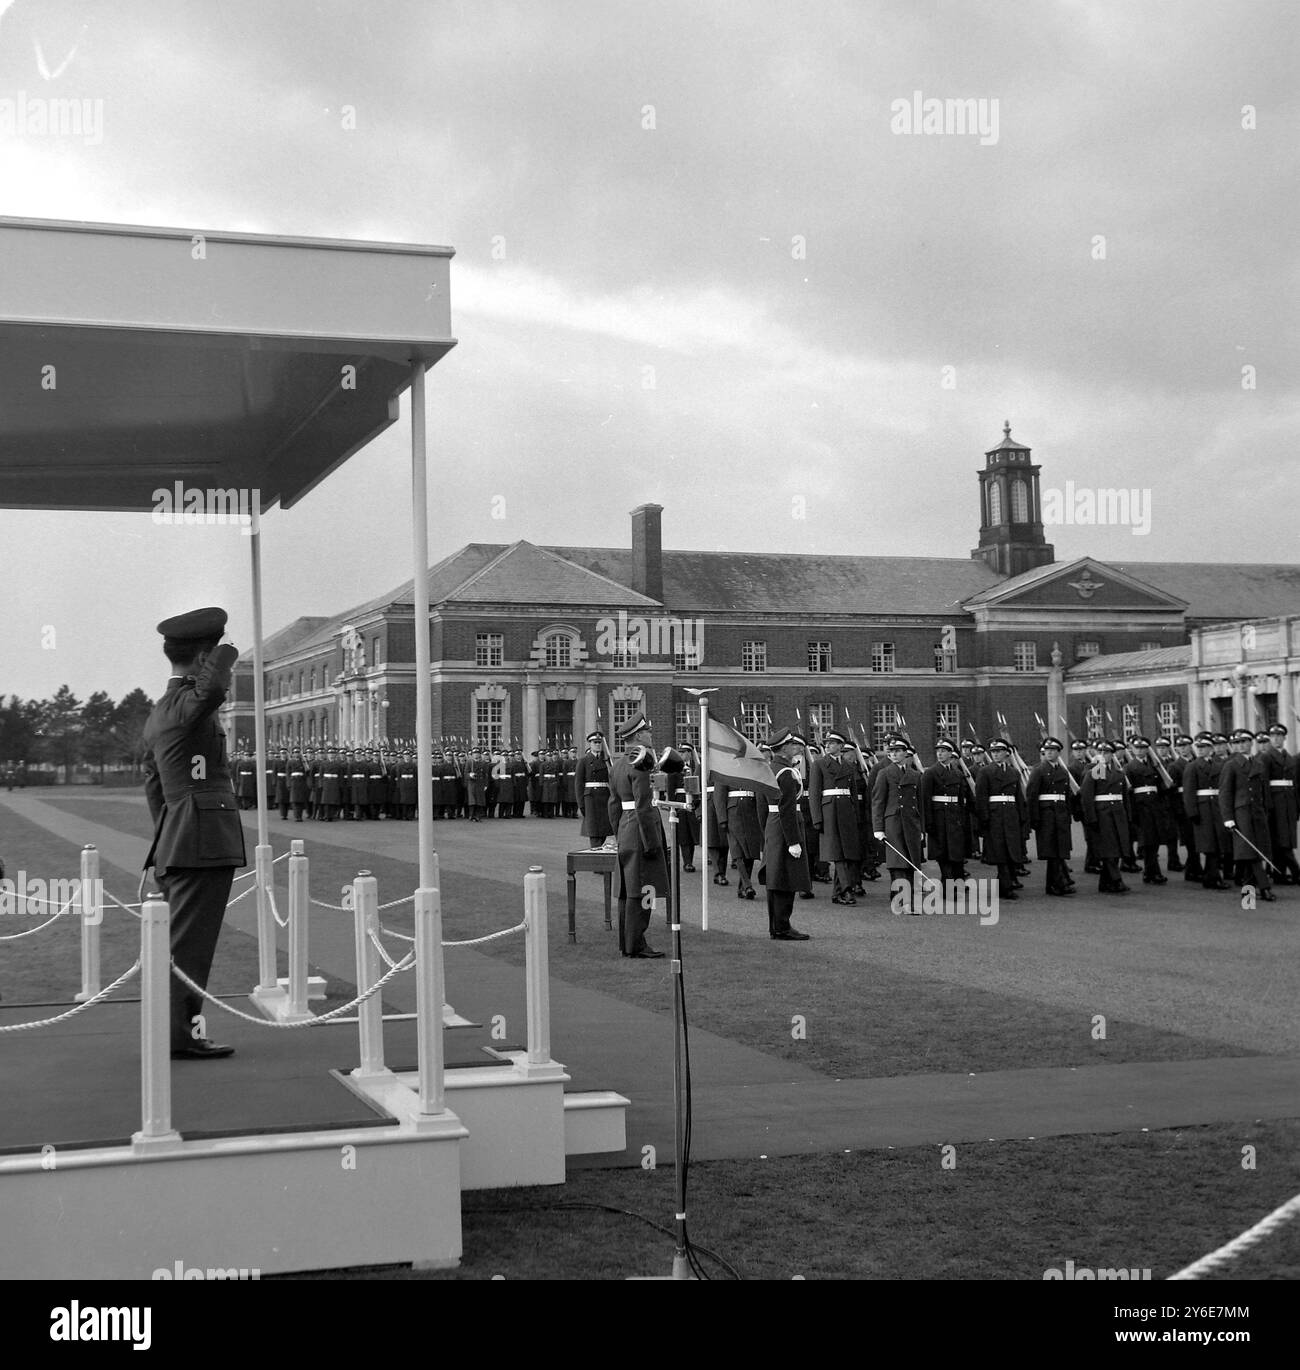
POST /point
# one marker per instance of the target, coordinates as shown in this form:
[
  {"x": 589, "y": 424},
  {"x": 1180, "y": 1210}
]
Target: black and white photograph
[{"x": 649, "y": 641}]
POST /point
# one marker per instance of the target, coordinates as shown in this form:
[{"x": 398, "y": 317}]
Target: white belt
[
  {"x": 741, "y": 794},
  {"x": 1144, "y": 789},
  {"x": 1207, "y": 794},
  {"x": 1002, "y": 799},
  {"x": 1051, "y": 798},
  {"x": 330, "y": 775},
  {"x": 943, "y": 799},
  {"x": 1280, "y": 784},
  {"x": 1116, "y": 798},
  {"x": 628, "y": 803},
  {"x": 597, "y": 785},
  {"x": 826, "y": 793}
]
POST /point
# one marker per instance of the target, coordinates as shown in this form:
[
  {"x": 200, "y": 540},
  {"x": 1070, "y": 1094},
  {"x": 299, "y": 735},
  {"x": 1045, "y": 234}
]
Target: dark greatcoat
[
  {"x": 947, "y": 825},
  {"x": 1280, "y": 770},
  {"x": 1004, "y": 823},
  {"x": 744, "y": 830},
  {"x": 1106, "y": 817},
  {"x": 836, "y": 816},
  {"x": 1050, "y": 817},
  {"x": 783, "y": 830},
  {"x": 1150, "y": 809},
  {"x": 896, "y": 811},
  {"x": 1208, "y": 832},
  {"x": 1243, "y": 797},
  {"x": 593, "y": 804}
]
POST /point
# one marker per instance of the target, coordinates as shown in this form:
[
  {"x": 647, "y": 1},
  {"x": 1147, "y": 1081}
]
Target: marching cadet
[
  {"x": 641, "y": 859},
  {"x": 1048, "y": 794},
  {"x": 376, "y": 783},
  {"x": 281, "y": 790},
  {"x": 1201, "y": 804},
  {"x": 871, "y": 851},
  {"x": 1103, "y": 800},
  {"x": 246, "y": 780},
  {"x": 688, "y": 818},
  {"x": 719, "y": 841},
  {"x": 833, "y": 800},
  {"x": 1177, "y": 768},
  {"x": 1081, "y": 761},
  {"x": 944, "y": 792},
  {"x": 568, "y": 774},
  {"x": 519, "y": 774},
  {"x": 896, "y": 821},
  {"x": 1001, "y": 803},
  {"x": 535, "y": 785},
  {"x": 744, "y": 836},
  {"x": 1150, "y": 809},
  {"x": 1281, "y": 770},
  {"x": 974, "y": 762},
  {"x": 785, "y": 864},
  {"x": 1171, "y": 796},
  {"x": 408, "y": 786},
  {"x": 818, "y": 872},
  {"x": 477, "y": 774},
  {"x": 1243, "y": 802},
  {"x": 272, "y": 763},
  {"x": 331, "y": 786},
  {"x": 550, "y": 775},
  {"x": 298, "y": 783},
  {"x": 591, "y": 789}
]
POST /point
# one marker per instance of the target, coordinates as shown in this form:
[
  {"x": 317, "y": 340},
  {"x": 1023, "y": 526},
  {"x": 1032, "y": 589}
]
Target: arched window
[
  {"x": 1019, "y": 502},
  {"x": 559, "y": 650},
  {"x": 995, "y": 502}
]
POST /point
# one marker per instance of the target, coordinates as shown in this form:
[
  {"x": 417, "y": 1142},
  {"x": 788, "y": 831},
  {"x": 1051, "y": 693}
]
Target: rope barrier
[
  {"x": 243, "y": 894},
  {"x": 338, "y": 908},
  {"x": 379, "y": 947},
  {"x": 275, "y": 913},
  {"x": 404, "y": 964},
  {"x": 491, "y": 937},
  {"x": 14, "y": 936},
  {"x": 1278, "y": 1218},
  {"x": 401, "y": 936},
  {"x": 395, "y": 903},
  {"x": 80, "y": 1008},
  {"x": 130, "y": 908}
]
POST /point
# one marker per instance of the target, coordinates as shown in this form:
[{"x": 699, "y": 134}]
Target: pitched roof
[
  {"x": 1228, "y": 590},
  {"x": 1156, "y": 659},
  {"x": 287, "y": 639},
  {"x": 1137, "y": 585},
  {"x": 779, "y": 582},
  {"x": 525, "y": 574}
]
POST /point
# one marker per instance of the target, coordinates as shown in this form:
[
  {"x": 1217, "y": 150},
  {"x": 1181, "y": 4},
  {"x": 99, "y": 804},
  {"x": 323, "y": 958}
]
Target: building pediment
[{"x": 1085, "y": 584}]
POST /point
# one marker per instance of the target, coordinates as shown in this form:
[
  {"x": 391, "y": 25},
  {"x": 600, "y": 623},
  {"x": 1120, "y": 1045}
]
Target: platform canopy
[{"x": 134, "y": 358}]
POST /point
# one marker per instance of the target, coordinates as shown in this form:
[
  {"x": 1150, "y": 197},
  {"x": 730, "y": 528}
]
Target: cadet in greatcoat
[
  {"x": 642, "y": 860},
  {"x": 550, "y": 775},
  {"x": 744, "y": 836},
  {"x": 1177, "y": 768},
  {"x": 1103, "y": 796},
  {"x": 818, "y": 869},
  {"x": 299, "y": 788},
  {"x": 477, "y": 774},
  {"x": 331, "y": 785},
  {"x": 833, "y": 799},
  {"x": 1047, "y": 794},
  {"x": 591, "y": 790},
  {"x": 688, "y": 818},
  {"x": 1150, "y": 809},
  {"x": 408, "y": 786},
  {"x": 246, "y": 780},
  {"x": 376, "y": 784},
  {"x": 896, "y": 822},
  {"x": 519, "y": 771},
  {"x": 1201, "y": 804},
  {"x": 945, "y": 793},
  {"x": 785, "y": 865},
  {"x": 1281, "y": 769},
  {"x": 719, "y": 843},
  {"x": 279, "y": 794},
  {"x": 1243, "y": 802},
  {"x": 1081, "y": 761},
  {"x": 1004, "y": 815},
  {"x": 198, "y": 840}
]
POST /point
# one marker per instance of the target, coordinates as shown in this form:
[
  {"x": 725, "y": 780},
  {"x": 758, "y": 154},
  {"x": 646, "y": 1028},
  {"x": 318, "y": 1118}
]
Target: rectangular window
[
  {"x": 945, "y": 661},
  {"x": 686, "y": 730},
  {"x": 884, "y": 720},
  {"x": 882, "y": 656},
  {"x": 1026, "y": 657},
  {"x": 755, "y": 722},
  {"x": 1086, "y": 648},
  {"x": 623, "y": 711},
  {"x": 627, "y": 659},
  {"x": 687, "y": 658},
  {"x": 821, "y": 719},
  {"x": 947, "y": 721},
  {"x": 1167, "y": 713},
  {"x": 558, "y": 650},
  {"x": 1132, "y": 717},
  {"x": 1092, "y": 717},
  {"x": 487, "y": 722},
  {"x": 753, "y": 656},
  {"x": 819, "y": 656},
  {"x": 489, "y": 649},
  {"x": 1148, "y": 646}
]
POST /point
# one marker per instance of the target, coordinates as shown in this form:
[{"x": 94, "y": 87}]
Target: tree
[
  {"x": 61, "y": 727},
  {"x": 19, "y": 720},
  {"x": 98, "y": 716},
  {"x": 128, "y": 725}
]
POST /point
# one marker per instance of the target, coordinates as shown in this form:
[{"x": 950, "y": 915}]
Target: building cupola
[{"x": 1011, "y": 511}]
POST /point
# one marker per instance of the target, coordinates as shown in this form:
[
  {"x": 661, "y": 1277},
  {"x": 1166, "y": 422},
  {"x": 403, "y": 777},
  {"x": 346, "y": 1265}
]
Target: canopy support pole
[{"x": 268, "y": 985}]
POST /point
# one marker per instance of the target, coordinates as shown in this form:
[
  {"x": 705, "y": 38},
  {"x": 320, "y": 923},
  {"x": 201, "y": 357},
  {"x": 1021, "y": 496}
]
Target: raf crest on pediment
[{"x": 1085, "y": 586}]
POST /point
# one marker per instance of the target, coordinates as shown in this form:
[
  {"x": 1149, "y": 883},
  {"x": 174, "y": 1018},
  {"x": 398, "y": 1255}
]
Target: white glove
[
  {"x": 880, "y": 836},
  {"x": 1228, "y": 823},
  {"x": 796, "y": 851}
]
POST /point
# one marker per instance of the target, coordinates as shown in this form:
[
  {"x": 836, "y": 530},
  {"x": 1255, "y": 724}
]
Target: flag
[{"x": 734, "y": 759}]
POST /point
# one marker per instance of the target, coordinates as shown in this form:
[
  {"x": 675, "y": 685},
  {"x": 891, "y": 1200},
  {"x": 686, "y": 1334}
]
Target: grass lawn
[{"x": 1008, "y": 1211}]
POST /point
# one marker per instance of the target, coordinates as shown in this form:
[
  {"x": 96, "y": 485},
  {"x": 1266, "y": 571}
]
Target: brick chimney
[{"x": 647, "y": 551}]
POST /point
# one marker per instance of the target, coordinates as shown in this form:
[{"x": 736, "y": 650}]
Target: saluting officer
[
  {"x": 643, "y": 867},
  {"x": 1002, "y": 809},
  {"x": 1201, "y": 804},
  {"x": 785, "y": 865},
  {"x": 591, "y": 790},
  {"x": 1048, "y": 793},
  {"x": 1243, "y": 802}
]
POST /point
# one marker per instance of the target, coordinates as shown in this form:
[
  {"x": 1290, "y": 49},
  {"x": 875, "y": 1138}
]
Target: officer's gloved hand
[
  {"x": 796, "y": 851},
  {"x": 1228, "y": 823}
]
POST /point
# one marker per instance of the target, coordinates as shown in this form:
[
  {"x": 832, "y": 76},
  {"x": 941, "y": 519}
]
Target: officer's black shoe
[
  {"x": 721, "y": 880},
  {"x": 1175, "y": 865},
  {"x": 201, "y": 1050},
  {"x": 1009, "y": 895},
  {"x": 1129, "y": 867},
  {"x": 1215, "y": 885},
  {"x": 647, "y": 953},
  {"x": 749, "y": 893},
  {"x": 807, "y": 894},
  {"x": 689, "y": 868},
  {"x": 1268, "y": 896},
  {"x": 1092, "y": 870},
  {"x": 872, "y": 874},
  {"x": 1155, "y": 880},
  {"x": 791, "y": 935},
  {"x": 847, "y": 899},
  {"x": 858, "y": 892}
]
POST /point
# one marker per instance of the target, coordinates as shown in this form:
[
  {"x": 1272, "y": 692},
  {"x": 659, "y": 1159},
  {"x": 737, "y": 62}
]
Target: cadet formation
[{"x": 1220, "y": 810}]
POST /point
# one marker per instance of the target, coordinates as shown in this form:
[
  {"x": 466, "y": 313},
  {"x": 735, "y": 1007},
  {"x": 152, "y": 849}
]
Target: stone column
[
  {"x": 588, "y": 722},
  {"x": 531, "y": 730},
  {"x": 1056, "y": 695}
]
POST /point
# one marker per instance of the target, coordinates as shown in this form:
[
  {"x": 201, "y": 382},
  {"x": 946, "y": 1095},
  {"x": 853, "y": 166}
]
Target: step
[{"x": 595, "y": 1120}]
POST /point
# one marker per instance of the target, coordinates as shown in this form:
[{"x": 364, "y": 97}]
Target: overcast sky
[{"x": 777, "y": 372}]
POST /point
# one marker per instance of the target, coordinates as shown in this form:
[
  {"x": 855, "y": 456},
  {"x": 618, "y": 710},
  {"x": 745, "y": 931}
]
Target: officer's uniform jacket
[
  {"x": 1201, "y": 778},
  {"x": 591, "y": 794},
  {"x": 1003, "y": 812},
  {"x": 1048, "y": 796},
  {"x": 944, "y": 796},
  {"x": 1280, "y": 772},
  {"x": 896, "y": 811},
  {"x": 640, "y": 832},
  {"x": 836, "y": 814},
  {"x": 1243, "y": 798},
  {"x": 196, "y": 817},
  {"x": 1105, "y": 813},
  {"x": 783, "y": 830}
]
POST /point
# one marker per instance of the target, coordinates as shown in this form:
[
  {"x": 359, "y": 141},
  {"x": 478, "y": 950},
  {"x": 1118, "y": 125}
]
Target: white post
[
  {"x": 299, "y": 911},
  {"x": 537, "y": 968},
  {"x": 92, "y": 914},
  {"x": 155, "y": 1025},
  {"x": 706, "y": 806},
  {"x": 430, "y": 994},
  {"x": 267, "y": 982},
  {"x": 428, "y": 947},
  {"x": 370, "y": 1015}
]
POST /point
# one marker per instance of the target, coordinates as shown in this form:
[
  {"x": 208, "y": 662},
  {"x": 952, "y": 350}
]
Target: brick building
[{"x": 534, "y": 643}]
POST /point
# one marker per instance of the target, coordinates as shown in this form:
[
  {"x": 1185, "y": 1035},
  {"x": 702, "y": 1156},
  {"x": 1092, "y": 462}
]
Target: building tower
[{"x": 1011, "y": 511}]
